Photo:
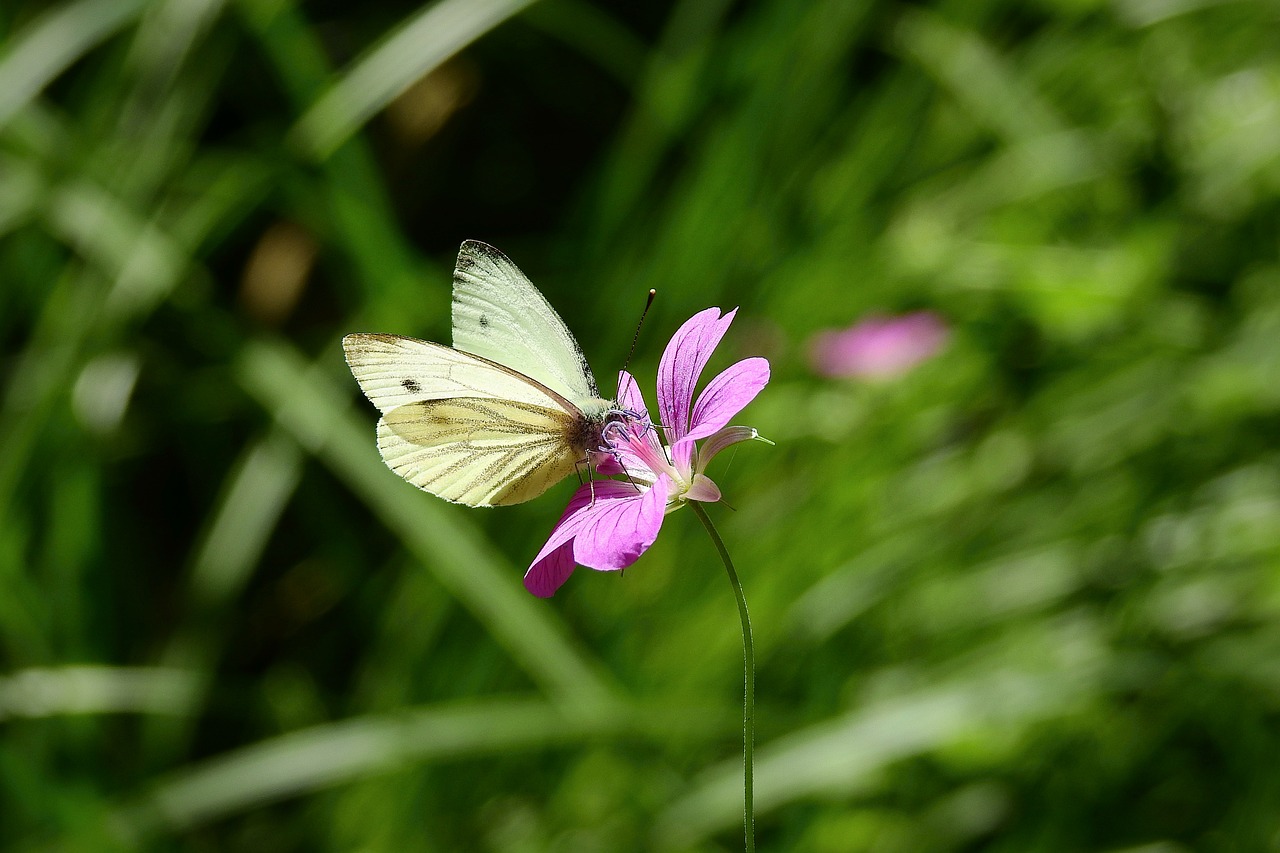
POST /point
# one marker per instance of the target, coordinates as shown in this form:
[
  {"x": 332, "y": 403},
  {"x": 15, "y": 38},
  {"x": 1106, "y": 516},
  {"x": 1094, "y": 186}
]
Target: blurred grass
[{"x": 1022, "y": 598}]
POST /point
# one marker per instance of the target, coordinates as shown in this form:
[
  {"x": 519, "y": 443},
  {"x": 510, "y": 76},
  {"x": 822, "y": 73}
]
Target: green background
[{"x": 1023, "y": 598}]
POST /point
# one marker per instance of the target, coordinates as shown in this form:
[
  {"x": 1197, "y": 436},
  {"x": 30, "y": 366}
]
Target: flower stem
[{"x": 749, "y": 690}]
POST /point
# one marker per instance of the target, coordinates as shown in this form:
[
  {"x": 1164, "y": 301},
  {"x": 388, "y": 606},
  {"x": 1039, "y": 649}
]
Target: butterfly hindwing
[{"x": 479, "y": 452}]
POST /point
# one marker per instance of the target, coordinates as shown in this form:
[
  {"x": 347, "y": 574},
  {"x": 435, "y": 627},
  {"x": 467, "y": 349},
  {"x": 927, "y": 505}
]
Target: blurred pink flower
[
  {"x": 878, "y": 347},
  {"x": 610, "y": 523}
]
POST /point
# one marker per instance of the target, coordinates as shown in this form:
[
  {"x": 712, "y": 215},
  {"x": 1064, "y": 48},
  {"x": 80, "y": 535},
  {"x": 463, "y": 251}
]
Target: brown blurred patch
[
  {"x": 423, "y": 108},
  {"x": 305, "y": 593},
  {"x": 277, "y": 272}
]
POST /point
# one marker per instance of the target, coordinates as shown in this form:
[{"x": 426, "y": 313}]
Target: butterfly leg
[{"x": 586, "y": 464}]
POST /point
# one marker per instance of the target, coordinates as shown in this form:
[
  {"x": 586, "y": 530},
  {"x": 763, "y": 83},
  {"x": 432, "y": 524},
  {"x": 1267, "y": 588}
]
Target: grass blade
[
  {"x": 53, "y": 42},
  {"x": 420, "y": 44}
]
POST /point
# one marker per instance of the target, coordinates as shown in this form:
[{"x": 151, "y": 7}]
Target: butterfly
[{"x": 501, "y": 416}]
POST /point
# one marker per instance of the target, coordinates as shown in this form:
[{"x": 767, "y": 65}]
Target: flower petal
[
  {"x": 682, "y": 453},
  {"x": 605, "y": 464},
  {"x": 629, "y": 397},
  {"x": 724, "y": 438},
  {"x": 681, "y": 365},
  {"x": 703, "y": 489},
  {"x": 554, "y": 562},
  {"x": 617, "y": 530},
  {"x": 728, "y": 394},
  {"x": 550, "y": 570}
]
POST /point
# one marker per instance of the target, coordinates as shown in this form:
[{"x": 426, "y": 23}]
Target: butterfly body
[{"x": 498, "y": 418}]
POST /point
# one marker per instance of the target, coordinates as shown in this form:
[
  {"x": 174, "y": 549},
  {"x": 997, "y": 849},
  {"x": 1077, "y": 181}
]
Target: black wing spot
[
  {"x": 484, "y": 321},
  {"x": 411, "y": 386}
]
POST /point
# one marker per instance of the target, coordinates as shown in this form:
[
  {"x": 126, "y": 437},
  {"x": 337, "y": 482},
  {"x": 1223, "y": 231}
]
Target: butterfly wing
[
  {"x": 478, "y": 452},
  {"x": 498, "y": 314},
  {"x": 394, "y": 371},
  {"x": 463, "y": 427}
]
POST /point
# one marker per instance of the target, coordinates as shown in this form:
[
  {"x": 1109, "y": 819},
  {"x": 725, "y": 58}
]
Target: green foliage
[{"x": 1022, "y": 598}]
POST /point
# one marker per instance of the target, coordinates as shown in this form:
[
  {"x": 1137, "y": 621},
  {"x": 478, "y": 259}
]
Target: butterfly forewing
[
  {"x": 394, "y": 371},
  {"x": 498, "y": 314},
  {"x": 479, "y": 452}
]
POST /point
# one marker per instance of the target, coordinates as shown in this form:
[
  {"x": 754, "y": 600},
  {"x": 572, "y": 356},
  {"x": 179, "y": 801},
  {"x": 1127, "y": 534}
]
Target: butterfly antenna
[{"x": 636, "y": 337}]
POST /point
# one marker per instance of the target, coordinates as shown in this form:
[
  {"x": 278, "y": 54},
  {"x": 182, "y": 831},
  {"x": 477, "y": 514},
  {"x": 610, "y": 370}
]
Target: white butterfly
[{"x": 500, "y": 417}]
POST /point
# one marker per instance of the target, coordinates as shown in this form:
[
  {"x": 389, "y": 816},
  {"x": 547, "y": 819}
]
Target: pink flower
[
  {"x": 879, "y": 347},
  {"x": 610, "y": 523}
]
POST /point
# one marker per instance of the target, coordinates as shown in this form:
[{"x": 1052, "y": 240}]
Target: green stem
[{"x": 749, "y": 691}]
